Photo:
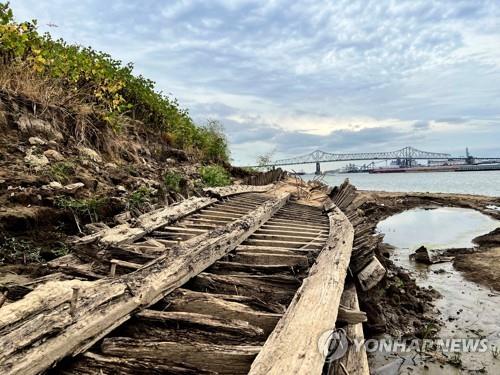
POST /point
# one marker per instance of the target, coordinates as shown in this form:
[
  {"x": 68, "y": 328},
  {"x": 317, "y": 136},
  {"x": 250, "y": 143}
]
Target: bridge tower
[{"x": 318, "y": 168}]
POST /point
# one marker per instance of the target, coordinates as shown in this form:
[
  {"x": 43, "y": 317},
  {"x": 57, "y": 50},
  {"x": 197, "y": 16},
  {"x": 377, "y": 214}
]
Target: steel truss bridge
[{"x": 404, "y": 156}]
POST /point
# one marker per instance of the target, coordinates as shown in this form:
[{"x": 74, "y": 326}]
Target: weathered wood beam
[
  {"x": 146, "y": 223},
  {"x": 271, "y": 259},
  {"x": 95, "y": 364},
  {"x": 212, "y": 322},
  {"x": 292, "y": 346},
  {"x": 40, "y": 329},
  {"x": 226, "y": 191},
  {"x": 221, "y": 359},
  {"x": 355, "y": 361},
  {"x": 223, "y": 307}
]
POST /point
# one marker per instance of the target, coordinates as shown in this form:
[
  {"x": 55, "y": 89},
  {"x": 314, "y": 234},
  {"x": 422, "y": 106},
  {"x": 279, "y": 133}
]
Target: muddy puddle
[{"x": 469, "y": 313}]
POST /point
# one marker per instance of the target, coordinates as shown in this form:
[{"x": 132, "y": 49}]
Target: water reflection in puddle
[{"x": 467, "y": 309}]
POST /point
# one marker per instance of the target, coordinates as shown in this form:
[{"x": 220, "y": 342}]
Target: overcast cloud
[{"x": 295, "y": 76}]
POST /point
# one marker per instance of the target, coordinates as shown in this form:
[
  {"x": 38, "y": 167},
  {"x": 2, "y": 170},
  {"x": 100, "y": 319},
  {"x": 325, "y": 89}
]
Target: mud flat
[{"x": 447, "y": 225}]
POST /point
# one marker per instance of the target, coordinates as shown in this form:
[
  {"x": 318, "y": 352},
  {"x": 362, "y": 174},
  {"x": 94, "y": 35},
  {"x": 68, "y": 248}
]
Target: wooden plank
[
  {"x": 222, "y": 359},
  {"x": 226, "y": 191},
  {"x": 212, "y": 322},
  {"x": 293, "y": 244},
  {"x": 355, "y": 360},
  {"x": 270, "y": 259},
  {"x": 125, "y": 233},
  {"x": 96, "y": 364},
  {"x": 223, "y": 307},
  {"x": 292, "y": 346},
  {"x": 28, "y": 327}
]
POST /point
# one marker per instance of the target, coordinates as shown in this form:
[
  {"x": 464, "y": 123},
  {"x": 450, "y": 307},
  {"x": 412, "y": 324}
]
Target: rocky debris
[
  {"x": 36, "y": 141},
  {"x": 423, "y": 255},
  {"x": 55, "y": 185},
  {"x": 90, "y": 154},
  {"x": 53, "y": 155},
  {"x": 74, "y": 187},
  {"x": 37, "y": 162},
  {"x": 30, "y": 125}
]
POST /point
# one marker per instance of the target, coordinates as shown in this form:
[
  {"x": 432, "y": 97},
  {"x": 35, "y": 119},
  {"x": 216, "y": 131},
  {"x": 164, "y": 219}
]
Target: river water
[
  {"x": 482, "y": 183},
  {"x": 467, "y": 310}
]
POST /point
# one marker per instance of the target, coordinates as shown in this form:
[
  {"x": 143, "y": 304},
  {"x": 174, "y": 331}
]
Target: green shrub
[
  {"x": 139, "y": 198},
  {"x": 215, "y": 175},
  {"x": 172, "y": 181},
  {"x": 61, "y": 171},
  {"x": 107, "y": 84},
  {"x": 89, "y": 207},
  {"x": 14, "y": 250}
]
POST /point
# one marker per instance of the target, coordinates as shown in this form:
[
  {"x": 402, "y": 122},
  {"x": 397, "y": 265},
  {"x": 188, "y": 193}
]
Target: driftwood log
[
  {"x": 291, "y": 347},
  {"x": 66, "y": 318}
]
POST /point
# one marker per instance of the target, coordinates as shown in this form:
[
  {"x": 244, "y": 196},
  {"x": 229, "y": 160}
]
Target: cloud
[{"x": 296, "y": 76}]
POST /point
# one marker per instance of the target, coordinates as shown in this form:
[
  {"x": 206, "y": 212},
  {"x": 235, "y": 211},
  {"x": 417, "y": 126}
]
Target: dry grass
[
  {"x": 19, "y": 79},
  {"x": 72, "y": 111}
]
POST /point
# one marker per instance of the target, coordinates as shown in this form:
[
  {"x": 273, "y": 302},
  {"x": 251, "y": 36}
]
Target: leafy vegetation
[
  {"x": 109, "y": 86},
  {"x": 139, "y": 198},
  {"x": 14, "y": 250},
  {"x": 172, "y": 181},
  {"x": 87, "y": 207},
  {"x": 61, "y": 171},
  {"x": 215, "y": 175}
]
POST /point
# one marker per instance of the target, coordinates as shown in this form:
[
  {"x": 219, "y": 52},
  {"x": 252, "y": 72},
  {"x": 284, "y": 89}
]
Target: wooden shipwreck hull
[{"x": 243, "y": 282}]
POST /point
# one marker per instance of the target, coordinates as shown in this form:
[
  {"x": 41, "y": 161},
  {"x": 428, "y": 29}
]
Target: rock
[
  {"x": 37, "y": 162},
  {"x": 121, "y": 189},
  {"x": 422, "y": 255},
  {"x": 90, "y": 154},
  {"x": 53, "y": 155},
  {"x": 74, "y": 187},
  {"x": 36, "y": 141},
  {"x": 55, "y": 185},
  {"x": 30, "y": 125},
  {"x": 111, "y": 165}
]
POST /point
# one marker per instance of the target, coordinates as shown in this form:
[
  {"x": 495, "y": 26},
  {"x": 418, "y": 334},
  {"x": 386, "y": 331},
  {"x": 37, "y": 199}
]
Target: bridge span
[{"x": 404, "y": 156}]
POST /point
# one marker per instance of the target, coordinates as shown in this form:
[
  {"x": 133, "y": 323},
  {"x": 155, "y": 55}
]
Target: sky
[{"x": 290, "y": 77}]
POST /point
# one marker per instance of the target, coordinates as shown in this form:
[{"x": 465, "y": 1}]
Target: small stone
[
  {"x": 121, "y": 189},
  {"x": 422, "y": 255},
  {"x": 111, "y": 165},
  {"x": 90, "y": 154},
  {"x": 55, "y": 185},
  {"x": 37, "y": 162},
  {"x": 36, "y": 141},
  {"x": 74, "y": 187},
  {"x": 54, "y": 155}
]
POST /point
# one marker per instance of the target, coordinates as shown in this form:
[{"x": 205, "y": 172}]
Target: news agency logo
[{"x": 334, "y": 343}]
